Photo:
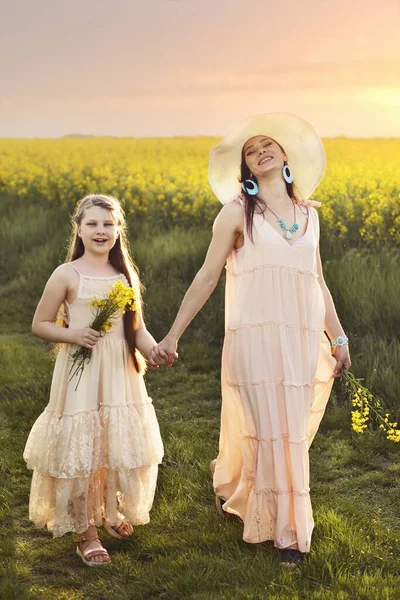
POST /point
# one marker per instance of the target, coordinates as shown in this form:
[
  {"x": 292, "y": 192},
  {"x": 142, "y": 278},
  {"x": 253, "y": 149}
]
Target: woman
[{"x": 277, "y": 365}]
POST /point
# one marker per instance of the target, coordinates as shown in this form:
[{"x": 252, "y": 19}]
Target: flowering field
[{"x": 165, "y": 181}]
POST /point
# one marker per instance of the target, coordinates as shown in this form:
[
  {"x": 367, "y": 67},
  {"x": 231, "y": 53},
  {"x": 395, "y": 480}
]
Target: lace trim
[
  {"x": 271, "y": 380},
  {"x": 287, "y": 325},
  {"x": 100, "y": 278},
  {"x": 102, "y": 407},
  {"x": 88, "y": 288},
  {"x": 305, "y": 492},
  {"x": 284, "y": 436},
  {"x": 119, "y": 437},
  {"x": 65, "y": 505},
  {"x": 268, "y": 266},
  {"x": 91, "y": 287}
]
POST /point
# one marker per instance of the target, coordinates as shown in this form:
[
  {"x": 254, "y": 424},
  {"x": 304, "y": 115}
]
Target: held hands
[
  {"x": 163, "y": 354},
  {"x": 341, "y": 353}
]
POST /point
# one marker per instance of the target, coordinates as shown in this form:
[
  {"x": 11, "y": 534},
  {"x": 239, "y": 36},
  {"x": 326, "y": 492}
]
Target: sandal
[
  {"x": 85, "y": 555},
  {"x": 218, "y": 500},
  {"x": 114, "y": 529}
]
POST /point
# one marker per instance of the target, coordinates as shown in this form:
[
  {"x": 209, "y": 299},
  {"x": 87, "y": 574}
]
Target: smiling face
[
  {"x": 98, "y": 230},
  {"x": 263, "y": 155}
]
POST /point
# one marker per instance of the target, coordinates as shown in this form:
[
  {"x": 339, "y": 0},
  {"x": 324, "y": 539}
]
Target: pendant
[{"x": 288, "y": 235}]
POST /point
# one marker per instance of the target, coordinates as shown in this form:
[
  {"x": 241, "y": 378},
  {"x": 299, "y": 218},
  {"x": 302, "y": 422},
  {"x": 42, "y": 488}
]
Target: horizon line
[{"x": 200, "y": 135}]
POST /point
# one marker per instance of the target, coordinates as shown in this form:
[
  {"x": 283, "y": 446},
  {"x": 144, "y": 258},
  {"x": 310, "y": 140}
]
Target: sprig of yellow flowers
[
  {"x": 366, "y": 406},
  {"x": 117, "y": 301}
]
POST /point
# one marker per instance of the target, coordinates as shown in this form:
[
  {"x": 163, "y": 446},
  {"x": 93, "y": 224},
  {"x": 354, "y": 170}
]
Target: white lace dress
[{"x": 95, "y": 450}]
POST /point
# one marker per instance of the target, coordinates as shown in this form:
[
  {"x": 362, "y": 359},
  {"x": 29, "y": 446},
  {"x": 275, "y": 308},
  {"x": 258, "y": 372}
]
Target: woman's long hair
[
  {"x": 254, "y": 203},
  {"x": 119, "y": 257}
]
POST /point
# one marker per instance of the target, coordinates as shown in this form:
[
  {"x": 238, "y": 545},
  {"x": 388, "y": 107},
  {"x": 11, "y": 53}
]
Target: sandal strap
[
  {"x": 99, "y": 550},
  {"x": 117, "y": 527},
  {"x": 82, "y": 538},
  {"x": 94, "y": 538},
  {"x": 121, "y": 521}
]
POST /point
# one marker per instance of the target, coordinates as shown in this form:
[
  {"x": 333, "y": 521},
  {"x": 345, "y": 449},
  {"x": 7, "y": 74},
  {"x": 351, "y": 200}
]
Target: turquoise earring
[
  {"x": 250, "y": 187},
  {"x": 287, "y": 174}
]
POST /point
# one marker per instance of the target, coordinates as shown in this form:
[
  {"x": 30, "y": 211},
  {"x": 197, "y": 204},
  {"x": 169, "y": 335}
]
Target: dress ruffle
[
  {"x": 119, "y": 437},
  {"x": 64, "y": 505}
]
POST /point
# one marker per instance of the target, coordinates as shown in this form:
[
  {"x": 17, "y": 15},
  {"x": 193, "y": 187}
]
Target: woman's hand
[
  {"x": 165, "y": 352},
  {"x": 86, "y": 337},
  {"x": 342, "y": 355}
]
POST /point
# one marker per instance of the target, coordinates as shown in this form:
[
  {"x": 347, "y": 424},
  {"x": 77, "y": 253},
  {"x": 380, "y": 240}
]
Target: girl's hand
[
  {"x": 165, "y": 352},
  {"x": 152, "y": 362},
  {"x": 341, "y": 353},
  {"x": 87, "y": 337}
]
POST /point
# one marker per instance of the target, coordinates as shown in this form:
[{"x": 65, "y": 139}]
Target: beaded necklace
[{"x": 289, "y": 232}]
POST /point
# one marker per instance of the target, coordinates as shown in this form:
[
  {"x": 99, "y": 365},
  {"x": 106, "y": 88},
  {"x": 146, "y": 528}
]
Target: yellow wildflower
[
  {"x": 367, "y": 406},
  {"x": 115, "y": 303}
]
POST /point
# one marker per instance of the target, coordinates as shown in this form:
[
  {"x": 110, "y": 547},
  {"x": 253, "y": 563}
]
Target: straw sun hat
[{"x": 302, "y": 146}]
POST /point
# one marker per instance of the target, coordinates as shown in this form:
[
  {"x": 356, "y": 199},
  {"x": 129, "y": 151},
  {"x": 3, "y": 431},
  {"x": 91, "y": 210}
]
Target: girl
[
  {"x": 96, "y": 447},
  {"x": 277, "y": 367}
]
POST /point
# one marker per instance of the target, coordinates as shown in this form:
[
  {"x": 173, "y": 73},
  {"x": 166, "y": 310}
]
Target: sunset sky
[{"x": 194, "y": 67}]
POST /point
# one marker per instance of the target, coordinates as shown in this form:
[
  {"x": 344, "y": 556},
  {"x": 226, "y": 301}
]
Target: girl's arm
[
  {"x": 228, "y": 226},
  {"x": 332, "y": 323},
  {"x": 144, "y": 341},
  {"x": 53, "y": 296}
]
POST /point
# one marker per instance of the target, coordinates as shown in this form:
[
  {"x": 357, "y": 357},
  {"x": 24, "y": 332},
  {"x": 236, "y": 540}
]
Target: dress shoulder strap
[
  {"x": 75, "y": 269},
  {"x": 314, "y": 218},
  {"x": 241, "y": 199}
]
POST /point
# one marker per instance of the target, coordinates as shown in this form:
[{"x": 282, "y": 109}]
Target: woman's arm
[
  {"x": 53, "y": 296},
  {"x": 228, "y": 226},
  {"x": 332, "y": 324},
  {"x": 144, "y": 341}
]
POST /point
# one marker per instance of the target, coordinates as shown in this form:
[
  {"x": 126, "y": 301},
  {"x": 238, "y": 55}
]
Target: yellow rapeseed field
[{"x": 165, "y": 180}]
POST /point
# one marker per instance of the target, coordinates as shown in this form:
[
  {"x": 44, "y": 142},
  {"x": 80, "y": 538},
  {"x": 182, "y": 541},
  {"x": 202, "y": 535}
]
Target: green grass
[{"x": 187, "y": 551}]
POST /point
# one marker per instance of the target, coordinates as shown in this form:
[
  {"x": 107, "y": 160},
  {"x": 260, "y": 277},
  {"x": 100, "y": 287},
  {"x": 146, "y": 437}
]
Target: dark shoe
[
  {"x": 290, "y": 558},
  {"x": 218, "y": 503}
]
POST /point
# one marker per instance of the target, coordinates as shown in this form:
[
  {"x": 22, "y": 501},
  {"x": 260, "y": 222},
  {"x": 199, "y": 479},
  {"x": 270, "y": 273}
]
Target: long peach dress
[
  {"x": 94, "y": 450},
  {"x": 277, "y": 374}
]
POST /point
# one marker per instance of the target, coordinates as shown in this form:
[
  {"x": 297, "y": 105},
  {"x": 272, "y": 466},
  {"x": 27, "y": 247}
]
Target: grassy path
[{"x": 187, "y": 551}]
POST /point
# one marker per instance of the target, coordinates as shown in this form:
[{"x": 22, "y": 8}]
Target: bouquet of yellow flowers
[
  {"x": 367, "y": 406},
  {"x": 119, "y": 299}
]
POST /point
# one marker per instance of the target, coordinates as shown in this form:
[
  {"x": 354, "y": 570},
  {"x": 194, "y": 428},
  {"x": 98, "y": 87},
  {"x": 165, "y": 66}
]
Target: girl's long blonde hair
[{"x": 119, "y": 257}]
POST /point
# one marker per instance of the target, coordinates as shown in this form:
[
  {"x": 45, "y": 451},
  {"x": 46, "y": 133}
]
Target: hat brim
[{"x": 303, "y": 148}]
